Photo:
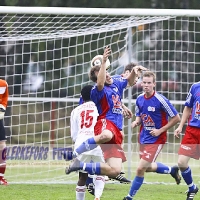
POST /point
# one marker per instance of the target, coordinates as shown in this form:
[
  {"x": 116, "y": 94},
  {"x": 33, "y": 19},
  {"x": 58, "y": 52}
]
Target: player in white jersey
[{"x": 83, "y": 119}]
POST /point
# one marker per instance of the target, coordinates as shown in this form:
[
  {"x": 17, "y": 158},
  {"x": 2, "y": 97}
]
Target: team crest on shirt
[
  {"x": 116, "y": 104},
  {"x": 197, "y": 111},
  {"x": 151, "y": 109}
]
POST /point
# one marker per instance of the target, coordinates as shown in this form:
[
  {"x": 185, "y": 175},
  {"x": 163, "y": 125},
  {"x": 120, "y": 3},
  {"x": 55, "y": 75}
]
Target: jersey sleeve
[
  {"x": 190, "y": 99},
  {"x": 121, "y": 82},
  {"x": 73, "y": 126},
  {"x": 137, "y": 110},
  {"x": 96, "y": 94},
  {"x": 168, "y": 107}
]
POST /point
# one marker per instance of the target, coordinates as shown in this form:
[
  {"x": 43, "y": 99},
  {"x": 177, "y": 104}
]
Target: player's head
[
  {"x": 148, "y": 81},
  {"x": 94, "y": 73},
  {"x": 97, "y": 61},
  {"x": 128, "y": 68},
  {"x": 85, "y": 93}
]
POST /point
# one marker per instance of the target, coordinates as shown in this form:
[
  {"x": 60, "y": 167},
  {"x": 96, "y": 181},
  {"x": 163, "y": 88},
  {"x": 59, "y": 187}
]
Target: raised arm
[
  {"x": 136, "y": 71},
  {"x": 101, "y": 77}
]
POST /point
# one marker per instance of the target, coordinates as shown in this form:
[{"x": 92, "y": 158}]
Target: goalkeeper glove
[{"x": 2, "y": 111}]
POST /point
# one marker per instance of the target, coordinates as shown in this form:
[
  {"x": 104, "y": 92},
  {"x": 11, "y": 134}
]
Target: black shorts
[{"x": 2, "y": 131}]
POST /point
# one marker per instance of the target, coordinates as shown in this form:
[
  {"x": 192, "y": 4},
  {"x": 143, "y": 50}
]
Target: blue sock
[
  {"x": 136, "y": 184},
  {"x": 162, "y": 169},
  {"x": 89, "y": 180},
  {"x": 187, "y": 176},
  {"x": 91, "y": 168},
  {"x": 88, "y": 145}
]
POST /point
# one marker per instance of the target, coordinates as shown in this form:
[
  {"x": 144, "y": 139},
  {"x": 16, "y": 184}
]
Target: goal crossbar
[{"x": 99, "y": 11}]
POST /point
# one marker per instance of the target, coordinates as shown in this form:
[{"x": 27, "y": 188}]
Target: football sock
[
  {"x": 80, "y": 192},
  {"x": 99, "y": 183},
  {"x": 136, "y": 184},
  {"x": 88, "y": 145},
  {"x": 187, "y": 176},
  {"x": 91, "y": 168},
  {"x": 162, "y": 169},
  {"x": 89, "y": 180},
  {"x": 2, "y": 161}
]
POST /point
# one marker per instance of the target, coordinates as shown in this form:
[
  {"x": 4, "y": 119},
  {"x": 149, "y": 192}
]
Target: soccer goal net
[{"x": 45, "y": 58}]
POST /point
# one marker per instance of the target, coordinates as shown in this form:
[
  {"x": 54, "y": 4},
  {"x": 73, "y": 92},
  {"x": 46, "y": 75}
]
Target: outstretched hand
[
  {"x": 106, "y": 54},
  {"x": 138, "y": 69}
]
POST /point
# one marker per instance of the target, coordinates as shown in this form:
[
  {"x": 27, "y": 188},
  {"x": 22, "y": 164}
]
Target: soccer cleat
[
  {"x": 3, "y": 181},
  {"x": 96, "y": 198},
  {"x": 74, "y": 166},
  {"x": 126, "y": 198},
  {"x": 121, "y": 179},
  {"x": 91, "y": 188},
  {"x": 190, "y": 195},
  {"x": 176, "y": 175}
]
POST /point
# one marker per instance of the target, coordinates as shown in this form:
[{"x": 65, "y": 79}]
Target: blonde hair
[{"x": 149, "y": 74}]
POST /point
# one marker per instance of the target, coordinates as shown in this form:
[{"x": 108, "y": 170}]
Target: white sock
[
  {"x": 99, "y": 183},
  {"x": 80, "y": 192}
]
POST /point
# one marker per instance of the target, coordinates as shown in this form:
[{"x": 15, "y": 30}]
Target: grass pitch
[{"x": 111, "y": 191}]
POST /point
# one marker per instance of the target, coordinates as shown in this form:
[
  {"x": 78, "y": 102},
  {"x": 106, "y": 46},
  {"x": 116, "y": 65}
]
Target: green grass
[
  {"x": 111, "y": 191},
  {"x": 35, "y": 172}
]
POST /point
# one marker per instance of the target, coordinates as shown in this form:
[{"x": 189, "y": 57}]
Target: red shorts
[
  {"x": 111, "y": 149},
  {"x": 149, "y": 152},
  {"x": 190, "y": 144}
]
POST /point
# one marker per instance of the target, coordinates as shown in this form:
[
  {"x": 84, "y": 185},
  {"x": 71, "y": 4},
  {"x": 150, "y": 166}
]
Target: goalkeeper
[{"x": 3, "y": 104}]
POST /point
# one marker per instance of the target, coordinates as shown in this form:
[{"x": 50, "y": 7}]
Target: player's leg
[
  {"x": 3, "y": 181},
  {"x": 93, "y": 142},
  {"x": 186, "y": 173},
  {"x": 189, "y": 148},
  {"x": 99, "y": 183},
  {"x": 161, "y": 168},
  {"x": 80, "y": 187},
  {"x": 138, "y": 180},
  {"x": 97, "y": 168},
  {"x": 152, "y": 151}
]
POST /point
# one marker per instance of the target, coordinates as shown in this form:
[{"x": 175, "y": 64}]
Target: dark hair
[
  {"x": 92, "y": 74},
  {"x": 129, "y": 67},
  {"x": 85, "y": 92}
]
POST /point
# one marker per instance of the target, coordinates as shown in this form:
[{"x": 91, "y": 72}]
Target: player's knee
[
  {"x": 140, "y": 171},
  {"x": 115, "y": 171},
  {"x": 182, "y": 164},
  {"x": 106, "y": 136}
]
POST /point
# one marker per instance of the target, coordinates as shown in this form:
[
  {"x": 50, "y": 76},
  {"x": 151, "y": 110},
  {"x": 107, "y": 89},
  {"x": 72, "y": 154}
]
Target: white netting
[{"x": 45, "y": 59}]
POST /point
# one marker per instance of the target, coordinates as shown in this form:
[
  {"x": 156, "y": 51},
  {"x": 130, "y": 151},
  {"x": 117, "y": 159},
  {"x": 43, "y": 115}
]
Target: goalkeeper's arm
[
  {"x": 2, "y": 111},
  {"x": 3, "y": 97}
]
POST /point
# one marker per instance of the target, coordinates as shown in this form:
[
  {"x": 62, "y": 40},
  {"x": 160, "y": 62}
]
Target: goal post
[{"x": 45, "y": 58}]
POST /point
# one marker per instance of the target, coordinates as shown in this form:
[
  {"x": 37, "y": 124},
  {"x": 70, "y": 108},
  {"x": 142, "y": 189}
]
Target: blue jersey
[
  {"x": 154, "y": 112},
  {"x": 193, "y": 101},
  {"x": 108, "y": 100},
  {"x": 80, "y": 100}
]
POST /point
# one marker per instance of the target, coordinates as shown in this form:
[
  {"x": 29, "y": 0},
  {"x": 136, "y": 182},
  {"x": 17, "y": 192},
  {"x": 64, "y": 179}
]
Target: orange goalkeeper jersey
[{"x": 3, "y": 93}]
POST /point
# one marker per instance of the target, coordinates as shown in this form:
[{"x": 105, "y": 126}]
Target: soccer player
[
  {"x": 190, "y": 144},
  {"x": 3, "y": 104},
  {"x": 82, "y": 122},
  {"x": 106, "y": 94},
  {"x": 152, "y": 111}
]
